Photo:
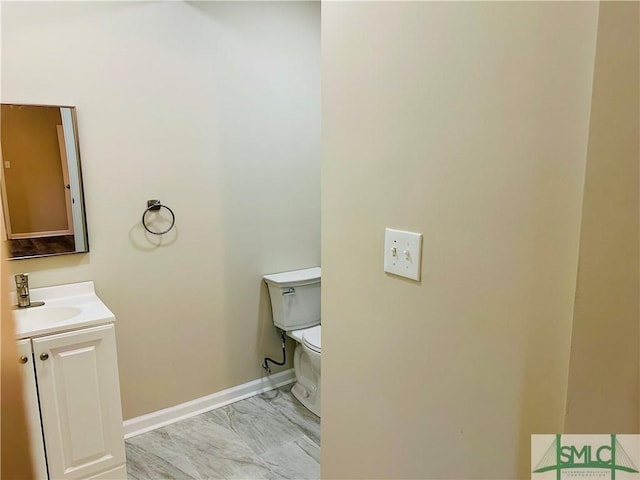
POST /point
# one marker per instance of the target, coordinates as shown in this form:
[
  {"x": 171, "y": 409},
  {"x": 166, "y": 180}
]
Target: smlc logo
[{"x": 575, "y": 457}]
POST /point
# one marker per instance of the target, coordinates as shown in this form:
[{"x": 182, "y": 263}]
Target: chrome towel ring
[{"x": 154, "y": 206}]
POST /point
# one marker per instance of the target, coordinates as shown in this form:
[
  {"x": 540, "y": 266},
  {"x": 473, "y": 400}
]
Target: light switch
[
  {"x": 402, "y": 253},
  {"x": 7, "y": 164}
]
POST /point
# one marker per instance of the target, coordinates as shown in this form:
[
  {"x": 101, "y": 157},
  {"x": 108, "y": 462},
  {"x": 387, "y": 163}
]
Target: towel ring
[{"x": 154, "y": 206}]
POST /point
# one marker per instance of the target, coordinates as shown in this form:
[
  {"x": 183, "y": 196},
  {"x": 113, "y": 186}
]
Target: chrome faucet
[{"x": 22, "y": 292}]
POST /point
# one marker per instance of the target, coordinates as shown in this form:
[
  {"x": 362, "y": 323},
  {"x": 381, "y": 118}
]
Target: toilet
[{"x": 295, "y": 303}]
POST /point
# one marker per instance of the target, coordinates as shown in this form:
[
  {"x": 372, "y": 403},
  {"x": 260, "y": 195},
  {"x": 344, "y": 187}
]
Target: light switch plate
[{"x": 402, "y": 253}]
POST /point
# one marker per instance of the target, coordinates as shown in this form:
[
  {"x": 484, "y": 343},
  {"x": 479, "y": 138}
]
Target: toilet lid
[{"x": 311, "y": 338}]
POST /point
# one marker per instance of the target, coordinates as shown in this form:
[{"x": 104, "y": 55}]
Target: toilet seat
[{"x": 311, "y": 338}]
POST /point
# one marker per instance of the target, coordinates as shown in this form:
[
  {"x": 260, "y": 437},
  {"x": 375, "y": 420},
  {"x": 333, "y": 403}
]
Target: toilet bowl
[
  {"x": 306, "y": 364},
  {"x": 295, "y": 304}
]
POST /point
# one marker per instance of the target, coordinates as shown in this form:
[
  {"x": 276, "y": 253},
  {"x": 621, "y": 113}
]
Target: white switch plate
[{"x": 402, "y": 253}]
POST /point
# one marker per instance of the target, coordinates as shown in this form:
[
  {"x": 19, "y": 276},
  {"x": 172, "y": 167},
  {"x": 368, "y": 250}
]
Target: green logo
[{"x": 609, "y": 456}]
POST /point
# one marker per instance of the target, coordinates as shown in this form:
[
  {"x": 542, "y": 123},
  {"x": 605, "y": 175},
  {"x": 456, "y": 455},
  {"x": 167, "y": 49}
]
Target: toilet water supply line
[{"x": 265, "y": 365}]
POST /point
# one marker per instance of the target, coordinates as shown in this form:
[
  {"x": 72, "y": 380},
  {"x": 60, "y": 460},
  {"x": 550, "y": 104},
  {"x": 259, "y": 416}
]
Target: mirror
[{"x": 42, "y": 193}]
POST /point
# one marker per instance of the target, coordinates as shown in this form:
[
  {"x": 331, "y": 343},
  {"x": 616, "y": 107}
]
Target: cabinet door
[
  {"x": 32, "y": 409},
  {"x": 77, "y": 375}
]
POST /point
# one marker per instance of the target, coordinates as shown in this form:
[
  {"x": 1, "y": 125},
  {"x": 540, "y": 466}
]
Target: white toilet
[{"x": 295, "y": 303}]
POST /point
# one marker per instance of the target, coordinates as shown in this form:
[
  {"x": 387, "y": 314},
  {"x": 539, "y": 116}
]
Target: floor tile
[
  {"x": 216, "y": 451},
  {"x": 312, "y": 449},
  {"x": 270, "y": 436},
  {"x": 296, "y": 461},
  {"x": 254, "y": 420},
  {"x": 285, "y": 403},
  {"x": 154, "y": 455}
]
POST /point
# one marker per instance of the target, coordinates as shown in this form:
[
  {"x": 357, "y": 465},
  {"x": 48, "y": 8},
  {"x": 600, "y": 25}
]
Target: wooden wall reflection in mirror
[{"x": 42, "y": 192}]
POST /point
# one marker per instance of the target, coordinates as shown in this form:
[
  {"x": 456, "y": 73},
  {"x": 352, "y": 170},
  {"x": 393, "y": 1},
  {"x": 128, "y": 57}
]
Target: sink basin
[
  {"x": 47, "y": 313},
  {"x": 66, "y": 307}
]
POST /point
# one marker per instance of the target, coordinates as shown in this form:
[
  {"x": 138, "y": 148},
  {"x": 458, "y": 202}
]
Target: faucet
[{"x": 22, "y": 291}]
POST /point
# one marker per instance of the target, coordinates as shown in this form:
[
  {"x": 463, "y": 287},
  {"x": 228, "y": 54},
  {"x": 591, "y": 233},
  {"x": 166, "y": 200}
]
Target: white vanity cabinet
[
  {"x": 32, "y": 408},
  {"x": 72, "y": 394}
]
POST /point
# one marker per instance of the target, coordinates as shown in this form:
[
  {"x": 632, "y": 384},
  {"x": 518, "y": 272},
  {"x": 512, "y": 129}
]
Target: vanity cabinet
[
  {"x": 32, "y": 408},
  {"x": 76, "y": 402}
]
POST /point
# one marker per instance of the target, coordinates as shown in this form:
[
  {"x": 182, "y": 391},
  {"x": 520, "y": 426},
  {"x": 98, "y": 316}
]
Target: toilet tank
[{"x": 295, "y": 298}]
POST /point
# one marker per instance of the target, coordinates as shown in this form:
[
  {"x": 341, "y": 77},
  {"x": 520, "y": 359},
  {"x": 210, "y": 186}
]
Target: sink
[
  {"x": 66, "y": 307},
  {"x": 47, "y": 313}
]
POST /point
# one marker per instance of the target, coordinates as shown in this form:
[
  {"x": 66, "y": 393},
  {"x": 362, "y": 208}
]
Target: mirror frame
[{"x": 78, "y": 214}]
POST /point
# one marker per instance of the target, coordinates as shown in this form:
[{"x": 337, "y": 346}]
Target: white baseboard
[
  {"x": 52, "y": 233},
  {"x": 151, "y": 421}
]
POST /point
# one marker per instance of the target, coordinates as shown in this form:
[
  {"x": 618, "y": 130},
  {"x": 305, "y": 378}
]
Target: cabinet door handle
[
  {"x": 44, "y": 356},
  {"x": 23, "y": 359}
]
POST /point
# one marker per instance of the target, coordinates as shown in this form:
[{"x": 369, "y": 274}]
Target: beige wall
[
  {"x": 214, "y": 109},
  {"x": 467, "y": 122},
  {"x": 15, "y": 461},
  {"x": 34, "y": 182},
  {"x": 604, "y": 375}
]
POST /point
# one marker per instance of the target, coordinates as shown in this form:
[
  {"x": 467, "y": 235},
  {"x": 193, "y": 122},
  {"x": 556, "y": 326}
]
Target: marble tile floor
[{"x": 269, "y": 436}]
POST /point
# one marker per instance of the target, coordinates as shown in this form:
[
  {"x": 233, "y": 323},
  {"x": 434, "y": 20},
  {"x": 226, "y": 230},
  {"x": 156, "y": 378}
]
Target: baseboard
[
  {"x": 52, "y": 233},
  {"x": 151, "y": 421}
]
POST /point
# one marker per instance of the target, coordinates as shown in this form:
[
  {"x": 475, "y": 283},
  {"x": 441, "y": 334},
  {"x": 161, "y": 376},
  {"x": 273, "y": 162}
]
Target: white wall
[
  {"x": 468, "y": 122},
  {"x": 213, "y": 108}
]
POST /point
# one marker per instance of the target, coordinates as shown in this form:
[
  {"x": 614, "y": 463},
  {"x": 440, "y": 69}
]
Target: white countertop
[{"x": 67, "y": 307}]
